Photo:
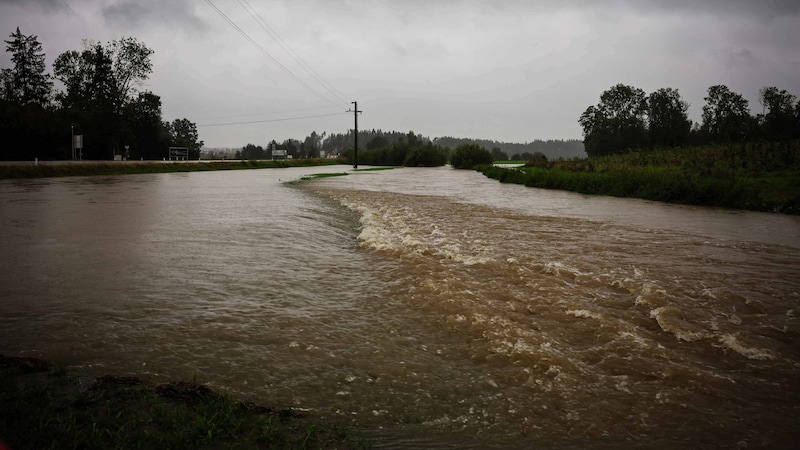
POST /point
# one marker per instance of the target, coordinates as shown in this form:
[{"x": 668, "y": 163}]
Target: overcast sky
[{"x": 509, "y": 70}]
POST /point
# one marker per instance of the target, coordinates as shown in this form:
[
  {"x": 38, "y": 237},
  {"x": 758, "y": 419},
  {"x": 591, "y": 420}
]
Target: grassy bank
[
  {"x": 43, "y": 407},
  {"x": 68, "y": 169},
  {"x": 754, "y": 176}
]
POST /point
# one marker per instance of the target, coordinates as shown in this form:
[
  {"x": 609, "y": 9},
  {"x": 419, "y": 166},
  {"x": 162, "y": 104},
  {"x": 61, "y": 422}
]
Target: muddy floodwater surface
[{"x": 434, "y": 308}]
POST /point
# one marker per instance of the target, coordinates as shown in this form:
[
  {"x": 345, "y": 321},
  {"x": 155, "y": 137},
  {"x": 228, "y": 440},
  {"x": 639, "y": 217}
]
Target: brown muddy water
[{"x": 434, "y": 308}]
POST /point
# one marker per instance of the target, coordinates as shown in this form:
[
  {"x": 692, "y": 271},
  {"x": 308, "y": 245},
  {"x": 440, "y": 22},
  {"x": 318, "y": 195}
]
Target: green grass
[
  {"x": 373, "y": 169},
  {"x": 511, "y": 162},
  {"x": 338, "y": 174},
  {"x": 42, "y": 407},
  {"x": 754, "y": 176},
  {"x": 123, "y": 168},
  {"x": 323, "y": 175}
]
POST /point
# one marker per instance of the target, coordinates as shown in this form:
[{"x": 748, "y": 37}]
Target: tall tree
[
  {"x": 596, "y": 132},
  {"x": 251, "y": 151},
  {"x": 145, "y": 134},
  {"x": 26, "y": 83},
  {"x": 100, "y": 81},
  {"x": 311, "y": 145},
  {"x": 667, "y": 117},
  {"x": 107, "y": 74},
  {"x": 30, "y": 128},
  {"x": 726, "y": 115},
  {"x": 779, "y": 119},
  {"x": 290, "y": 145},
  {"x": 617, "y": 123},
  {"x": 183, "y": 133},
  {"x": 131, "y": 66}
]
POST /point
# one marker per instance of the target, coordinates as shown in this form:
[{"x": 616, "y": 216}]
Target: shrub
[
  {"x": 467, "y": 156},
  {"x": 425, "y": 156}
]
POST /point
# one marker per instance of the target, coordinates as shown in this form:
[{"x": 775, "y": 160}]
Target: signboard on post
[
  {"x": 77, "y": 144},
  {"x": 179, "y": 153}
]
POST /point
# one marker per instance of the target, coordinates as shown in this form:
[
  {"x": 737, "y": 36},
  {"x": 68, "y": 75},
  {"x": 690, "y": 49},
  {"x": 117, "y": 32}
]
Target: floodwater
[{"x": 434, "y": 308}]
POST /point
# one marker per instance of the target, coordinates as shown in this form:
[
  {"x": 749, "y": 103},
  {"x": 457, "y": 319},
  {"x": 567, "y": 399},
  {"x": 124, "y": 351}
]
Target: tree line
[
  {"x": 537, "y": 149},
  {"x": 379, "y": 147},
  {"x": 376, "y": 147},
  {"x": 626, "y": 118},
  {"x": 100, "y": 101}
]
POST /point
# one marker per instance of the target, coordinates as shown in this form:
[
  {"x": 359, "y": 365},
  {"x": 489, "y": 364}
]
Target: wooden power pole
[{"x": 356, "y": 112}]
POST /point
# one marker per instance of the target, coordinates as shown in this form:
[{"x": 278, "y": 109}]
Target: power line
[
  {"x": 284, "y": 119},
  {"x": 268, "y": 55},
  {"x": 277, "y": 38},
  {"x": 270, "y": 113}
]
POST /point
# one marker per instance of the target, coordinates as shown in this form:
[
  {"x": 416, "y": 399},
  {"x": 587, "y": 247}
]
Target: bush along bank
[{"x": 756, "y": 176}]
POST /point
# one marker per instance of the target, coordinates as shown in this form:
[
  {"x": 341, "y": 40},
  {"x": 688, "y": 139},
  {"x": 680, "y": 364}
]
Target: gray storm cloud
[
  {"x": 513, "y": 70},
  {"x": 152, "y": 13}
]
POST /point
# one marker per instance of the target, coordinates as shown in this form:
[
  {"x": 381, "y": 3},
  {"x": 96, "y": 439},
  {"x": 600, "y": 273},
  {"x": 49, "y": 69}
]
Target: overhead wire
[
  {"x": 268, "y": 55},
  {"x": 285, "y": 46},
  {"x": 283, "y": 119},
  {"x": 269, "y": 113}
]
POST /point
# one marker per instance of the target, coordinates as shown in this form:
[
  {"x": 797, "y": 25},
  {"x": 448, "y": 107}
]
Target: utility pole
[{"x": 355, "y": 147}]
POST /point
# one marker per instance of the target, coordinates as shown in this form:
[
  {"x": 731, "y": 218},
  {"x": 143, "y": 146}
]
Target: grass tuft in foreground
[{"x": 43, "y": 407}]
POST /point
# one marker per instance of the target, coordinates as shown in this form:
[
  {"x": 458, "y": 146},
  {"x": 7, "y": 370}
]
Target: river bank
[
  {"x": 751, "y": 176},
  {"x": 42, "y": 406},
  {"x": 43, "y": 169}
]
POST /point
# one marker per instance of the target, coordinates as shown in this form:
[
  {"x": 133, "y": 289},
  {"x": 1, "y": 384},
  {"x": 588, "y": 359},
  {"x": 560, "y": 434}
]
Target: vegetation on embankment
[
  {"x": 755, "y": 176},
  {"x": 43, "y": 407},
  {"x": 122, "y": 168}
]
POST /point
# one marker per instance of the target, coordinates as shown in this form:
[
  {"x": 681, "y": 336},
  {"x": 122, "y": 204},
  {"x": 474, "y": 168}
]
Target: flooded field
[{"x": 433, "y": 307}]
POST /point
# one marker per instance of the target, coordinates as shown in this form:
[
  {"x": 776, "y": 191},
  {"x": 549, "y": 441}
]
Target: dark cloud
[
  {"x": 142, "y": 14},
  {"x": 735, "y": 59},
  {"x": 45, "y": 5},
  {"x": 764, "y": 9}
]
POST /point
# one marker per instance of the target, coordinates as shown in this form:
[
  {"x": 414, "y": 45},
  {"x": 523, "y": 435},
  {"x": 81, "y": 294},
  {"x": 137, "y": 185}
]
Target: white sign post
[{"x": 77, "y": 143}]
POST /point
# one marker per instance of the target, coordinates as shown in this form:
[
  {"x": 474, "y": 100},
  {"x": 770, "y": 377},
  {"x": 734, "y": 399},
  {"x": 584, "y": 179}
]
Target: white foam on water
[
  {"x": 650, "y": 294},
  {"x": 641, "y": 342},
  {"x": 582, "y": 313},
  {"x": 708, "y": 293},
  {"x": 730, "y": 342},
  {"x": 409, "y": 234},
  {"x": 553, "y": 319},
  {"x": 623, "y": 386},
  {"x": 559, "y": 269},
  {"x": 672, "y": 320}
]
